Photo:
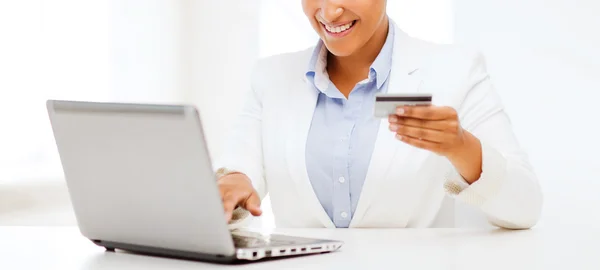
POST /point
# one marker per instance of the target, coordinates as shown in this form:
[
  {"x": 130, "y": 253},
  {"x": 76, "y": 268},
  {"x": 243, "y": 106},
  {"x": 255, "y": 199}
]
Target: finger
[
  {"x": 422, "y": 144},
  {"x": 421, "y": 123},
  {"x": 252, "y": 204},
  {"x": 427, "y": 112},
  {"x": 229, "y": 204},
  {"x": 421, "y": 133}
]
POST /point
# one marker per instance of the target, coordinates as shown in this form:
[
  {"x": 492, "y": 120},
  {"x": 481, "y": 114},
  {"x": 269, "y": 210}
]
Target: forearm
[
  {"x": 468, "y": 159},
  {"x": 505, "y": 188}
]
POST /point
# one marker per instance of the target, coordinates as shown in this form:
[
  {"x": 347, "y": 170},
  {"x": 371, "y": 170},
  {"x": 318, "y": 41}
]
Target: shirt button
[
  {"x": 342, "y": 180},
  {"x": 344, "y": 215}
]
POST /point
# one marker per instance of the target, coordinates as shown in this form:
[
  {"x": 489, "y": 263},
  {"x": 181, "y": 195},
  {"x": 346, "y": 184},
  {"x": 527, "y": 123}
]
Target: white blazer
[{"x": 405, "y": 186}]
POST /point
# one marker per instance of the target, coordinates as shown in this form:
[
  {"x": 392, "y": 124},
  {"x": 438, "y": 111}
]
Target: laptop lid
[{"x": 140, "y": 174}]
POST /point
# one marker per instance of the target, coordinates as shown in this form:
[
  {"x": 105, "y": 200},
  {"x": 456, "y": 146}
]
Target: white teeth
[{"x": 338, "y": 29}]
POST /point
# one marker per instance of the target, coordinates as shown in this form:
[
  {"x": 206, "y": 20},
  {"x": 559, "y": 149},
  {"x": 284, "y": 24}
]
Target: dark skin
[
  {"x": 433, "y": 128},
  {"x": 346, "y": 72},
  {"x": 350, "y": 57}
]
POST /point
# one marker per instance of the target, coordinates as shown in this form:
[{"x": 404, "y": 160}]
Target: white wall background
[
  {"x": 540, "y": 54},
  {"x": 48, "y": 49},
  {"x": 146, "y": 60},
  {"x": 544, "y": 57}
]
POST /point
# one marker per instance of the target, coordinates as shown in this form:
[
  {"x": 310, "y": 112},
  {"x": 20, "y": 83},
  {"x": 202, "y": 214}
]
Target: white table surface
[{"x": 548, "y": 248}]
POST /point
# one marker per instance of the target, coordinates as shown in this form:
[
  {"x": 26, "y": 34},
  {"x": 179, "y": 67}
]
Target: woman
[{"x": 307, "y": 134}]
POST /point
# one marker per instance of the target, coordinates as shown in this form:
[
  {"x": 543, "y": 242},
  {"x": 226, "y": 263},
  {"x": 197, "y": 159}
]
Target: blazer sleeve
[
  {"x": 242, "y": 150},
  {"x": 508, "y": 191}
]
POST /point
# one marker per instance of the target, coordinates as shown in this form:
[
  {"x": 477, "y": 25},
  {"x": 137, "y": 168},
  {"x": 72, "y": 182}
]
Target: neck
[{"x": 357, "y": 64}]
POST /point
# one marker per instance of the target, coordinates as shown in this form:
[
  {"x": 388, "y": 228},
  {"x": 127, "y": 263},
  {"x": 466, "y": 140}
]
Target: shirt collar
[
  {"x": 317, "y": 68},
  {"x": 381, "y": 67}
]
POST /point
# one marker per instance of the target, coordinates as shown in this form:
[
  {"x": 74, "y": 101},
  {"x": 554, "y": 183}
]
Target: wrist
[
  {"x": 467, "y": 159},
  {"x": 222, "y": 172}
]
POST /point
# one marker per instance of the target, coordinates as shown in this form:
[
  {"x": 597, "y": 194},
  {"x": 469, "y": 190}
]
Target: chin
[{"x": 340, "y": 50}]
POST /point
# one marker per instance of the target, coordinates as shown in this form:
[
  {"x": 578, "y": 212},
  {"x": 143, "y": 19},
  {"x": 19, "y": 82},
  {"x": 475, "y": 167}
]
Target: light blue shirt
[{"x": 342, "y": 133}]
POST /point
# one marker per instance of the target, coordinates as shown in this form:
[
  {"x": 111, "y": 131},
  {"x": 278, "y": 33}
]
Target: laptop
[{"x": 140, "y": 179}]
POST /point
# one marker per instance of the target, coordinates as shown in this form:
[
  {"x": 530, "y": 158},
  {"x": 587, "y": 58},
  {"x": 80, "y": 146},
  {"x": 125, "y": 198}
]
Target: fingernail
[
  {"x": 400, "y": 111},
  {"x": 394, "y": 127},
  {"x": 393, "y": 118},
  {"x": 399, "y": 137}
]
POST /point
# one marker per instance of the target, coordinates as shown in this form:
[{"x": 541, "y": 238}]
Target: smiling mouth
[{"x": 339, "y": 29}]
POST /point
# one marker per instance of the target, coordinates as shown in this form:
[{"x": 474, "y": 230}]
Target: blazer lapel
[
  {"x": 388, "y": 151},
  {"x": 302, "y": 110}
]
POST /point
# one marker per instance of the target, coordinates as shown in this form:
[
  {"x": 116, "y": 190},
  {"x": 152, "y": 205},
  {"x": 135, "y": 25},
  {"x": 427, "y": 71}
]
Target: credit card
[{"x": 386, "y": 104}]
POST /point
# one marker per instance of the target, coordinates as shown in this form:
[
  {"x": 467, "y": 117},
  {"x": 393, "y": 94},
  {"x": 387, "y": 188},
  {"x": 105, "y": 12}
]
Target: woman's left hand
[{"x": 438, "y": 129}]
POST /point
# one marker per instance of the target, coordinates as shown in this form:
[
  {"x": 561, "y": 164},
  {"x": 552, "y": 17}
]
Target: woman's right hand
[{"x": 236, "y": 190}]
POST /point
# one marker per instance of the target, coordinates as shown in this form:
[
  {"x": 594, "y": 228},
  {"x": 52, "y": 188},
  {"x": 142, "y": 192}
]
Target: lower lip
[{"x": 340, "y": 34}]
